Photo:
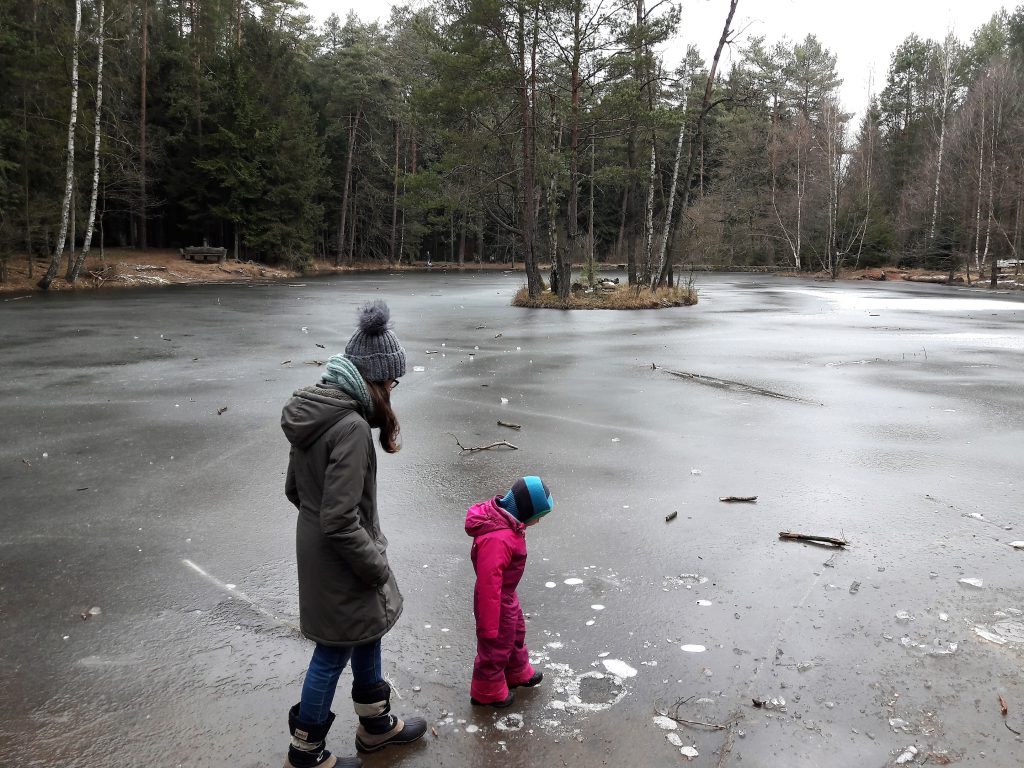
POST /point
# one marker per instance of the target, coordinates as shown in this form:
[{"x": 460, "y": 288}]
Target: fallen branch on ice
[
  {"x": 745, "y": 499},
  {"x": 816, "y": 539}
]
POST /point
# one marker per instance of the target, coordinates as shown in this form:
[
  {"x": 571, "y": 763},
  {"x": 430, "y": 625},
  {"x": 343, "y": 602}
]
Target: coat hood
[
  {"x": 314, "y": 410},
  {"x": 487, "y": 517}
]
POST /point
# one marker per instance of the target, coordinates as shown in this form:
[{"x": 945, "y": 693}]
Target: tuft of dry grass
[{"x": 623, "y": 297}]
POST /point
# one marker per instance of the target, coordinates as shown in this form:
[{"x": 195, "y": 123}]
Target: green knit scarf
[{"x": 342, "y": 373}]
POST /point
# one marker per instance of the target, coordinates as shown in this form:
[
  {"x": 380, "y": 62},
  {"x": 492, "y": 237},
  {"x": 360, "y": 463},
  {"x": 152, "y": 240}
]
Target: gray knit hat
[{"x": 374, "y": 348}]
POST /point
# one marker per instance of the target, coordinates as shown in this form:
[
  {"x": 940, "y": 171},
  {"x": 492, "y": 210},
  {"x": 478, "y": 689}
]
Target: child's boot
[
  {"x": 378, "y": 728},
  {"x": 534, "y": 680},
  {"x": 500, "y": 704},
  {"x": 309, "y": 741}
]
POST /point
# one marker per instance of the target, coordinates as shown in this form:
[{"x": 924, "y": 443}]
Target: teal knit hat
[
  {"x": 342, "y": 373},
  {"x": 528, "y": 499}
]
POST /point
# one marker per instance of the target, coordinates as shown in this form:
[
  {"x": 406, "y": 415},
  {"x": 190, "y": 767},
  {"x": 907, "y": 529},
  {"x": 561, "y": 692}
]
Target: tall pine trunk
[
  {"x": 143, "y": 242},
  {"x": 527, "y": 109},
  {"x": 69, "y": 175}
]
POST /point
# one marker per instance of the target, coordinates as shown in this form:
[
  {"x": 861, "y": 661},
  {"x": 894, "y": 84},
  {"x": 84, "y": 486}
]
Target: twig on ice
[
  {"x": 499, "y": 444},
  {"x": 675, "y": 716}
]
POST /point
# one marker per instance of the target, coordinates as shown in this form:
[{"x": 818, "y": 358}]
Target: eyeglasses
[{"x": 394, "y": 383}]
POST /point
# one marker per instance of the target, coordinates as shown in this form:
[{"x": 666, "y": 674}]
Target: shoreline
[{"x": 158, "y": 268}]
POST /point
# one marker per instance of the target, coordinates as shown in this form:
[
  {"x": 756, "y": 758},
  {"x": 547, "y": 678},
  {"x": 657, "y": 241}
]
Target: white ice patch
[
  {"x": 688, "y": 580},
  {"x": 567, "y": 683},
  {"x": 420, "y": 369},
  {"x": 512, "y": 722},
  {"x": 550, "y": 584},
  {"x": 674, "y": 739},
  {"x": 973, "y": 582},
  {"x": 597, "y": 607},
  {"x": 704, "y": 602},
  {"x": 693, "y": 648},
  {"x": 619, "y": 668},
  {"x": 1002, "y": 632},
  {"x": 573, "y": 582},
  {"x": 603, "y": 655},
  {"x": 689, "y": 753},
  {"x": 1017, "y": 544},
  {"x": 472, "y": 728},
  {"x": 665, "y": 723},
  {"x": 856, "y": 300},
  {"x": 908, "y": 756},
  {"x": 555, "y": 645}
]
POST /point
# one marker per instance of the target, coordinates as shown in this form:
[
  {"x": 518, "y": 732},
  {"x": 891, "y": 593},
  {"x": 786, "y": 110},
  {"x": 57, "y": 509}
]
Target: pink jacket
[{"x": 499, "y": 559}]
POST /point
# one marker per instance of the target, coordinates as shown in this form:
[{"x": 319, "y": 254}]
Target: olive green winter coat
[{"x": 347, "y": 593}]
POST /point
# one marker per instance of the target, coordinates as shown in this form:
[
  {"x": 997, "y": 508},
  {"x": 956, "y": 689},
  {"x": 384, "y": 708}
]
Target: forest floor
[{"x": 130, "y": 268}]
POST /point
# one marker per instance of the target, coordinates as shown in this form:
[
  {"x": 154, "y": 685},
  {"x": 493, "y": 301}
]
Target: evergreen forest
[{"x": 534, "y": 131}]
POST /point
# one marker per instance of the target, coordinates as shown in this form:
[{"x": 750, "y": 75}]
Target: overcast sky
[{"x": 862, "y": 33}]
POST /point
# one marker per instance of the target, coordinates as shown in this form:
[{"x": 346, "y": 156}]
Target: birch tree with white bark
[
  {"x": 76, "y": 267},
  {"x": 69, "y": 175}
]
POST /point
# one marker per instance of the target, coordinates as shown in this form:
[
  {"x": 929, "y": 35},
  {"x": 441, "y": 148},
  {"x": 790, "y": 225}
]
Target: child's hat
[{"x": 528, "y": 500}]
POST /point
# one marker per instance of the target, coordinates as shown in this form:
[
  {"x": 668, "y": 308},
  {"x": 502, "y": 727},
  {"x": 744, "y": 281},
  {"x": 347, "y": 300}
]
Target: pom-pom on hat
[
  {"x": 528, "y": 500},
  {"x": 374, "y": 349}
]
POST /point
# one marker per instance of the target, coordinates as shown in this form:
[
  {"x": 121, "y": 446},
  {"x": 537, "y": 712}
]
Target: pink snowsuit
[{"x": 499, "y": 559}]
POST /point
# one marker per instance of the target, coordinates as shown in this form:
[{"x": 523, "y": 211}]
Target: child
[{"x": 498, "y": 528}]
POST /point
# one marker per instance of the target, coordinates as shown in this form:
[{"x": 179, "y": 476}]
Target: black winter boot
[
  {"x": 308, "y": 747},
  {"x": 378, "y": 728}
]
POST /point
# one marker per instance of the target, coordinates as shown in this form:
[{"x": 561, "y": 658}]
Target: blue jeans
[{"x": 324, "y": 670}]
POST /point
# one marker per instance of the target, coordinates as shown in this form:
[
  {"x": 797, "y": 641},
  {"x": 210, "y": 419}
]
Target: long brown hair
[{"x": 383, "y": 417}]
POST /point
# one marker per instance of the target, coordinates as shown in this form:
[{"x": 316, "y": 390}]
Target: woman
[{"x": 348, "y": 597}]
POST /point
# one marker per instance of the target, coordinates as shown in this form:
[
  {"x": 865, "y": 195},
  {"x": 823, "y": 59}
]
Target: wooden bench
[{"x": 204, "y": 254}]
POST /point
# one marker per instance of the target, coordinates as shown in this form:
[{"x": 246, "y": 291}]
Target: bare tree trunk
[
  {"x": 462, "y": 242},
  {"x": 672, "y": 193},
  {"x": 869, "y": 158},
  {"x": 25, "y": 182},
  {"x": 649, "y": 215},
  {"x": 527, "y": 107},
  {"x": 556, "y": 265},
  {"x": 981, "y": 180},
  {"x": 801, "y": 180},
  {"x": 572, "y": 226},
  {"x": 143, "y": 241},
  {"x": 590, "y": 218},
  {"x": 620, "y": 240},
  {"x": 352, "y": 233},
  {"x": 479, "y": 230},
  {"x": 394, "y": 202},
  {"x": 69, "y": 176},
  {"x": 698, "y": 140},
  {"x": 946, "y": 65},
  {"x": 353, "y": 128},
  {"x": 73, "y": 271},
  {"x": 994, "y": 132}
]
